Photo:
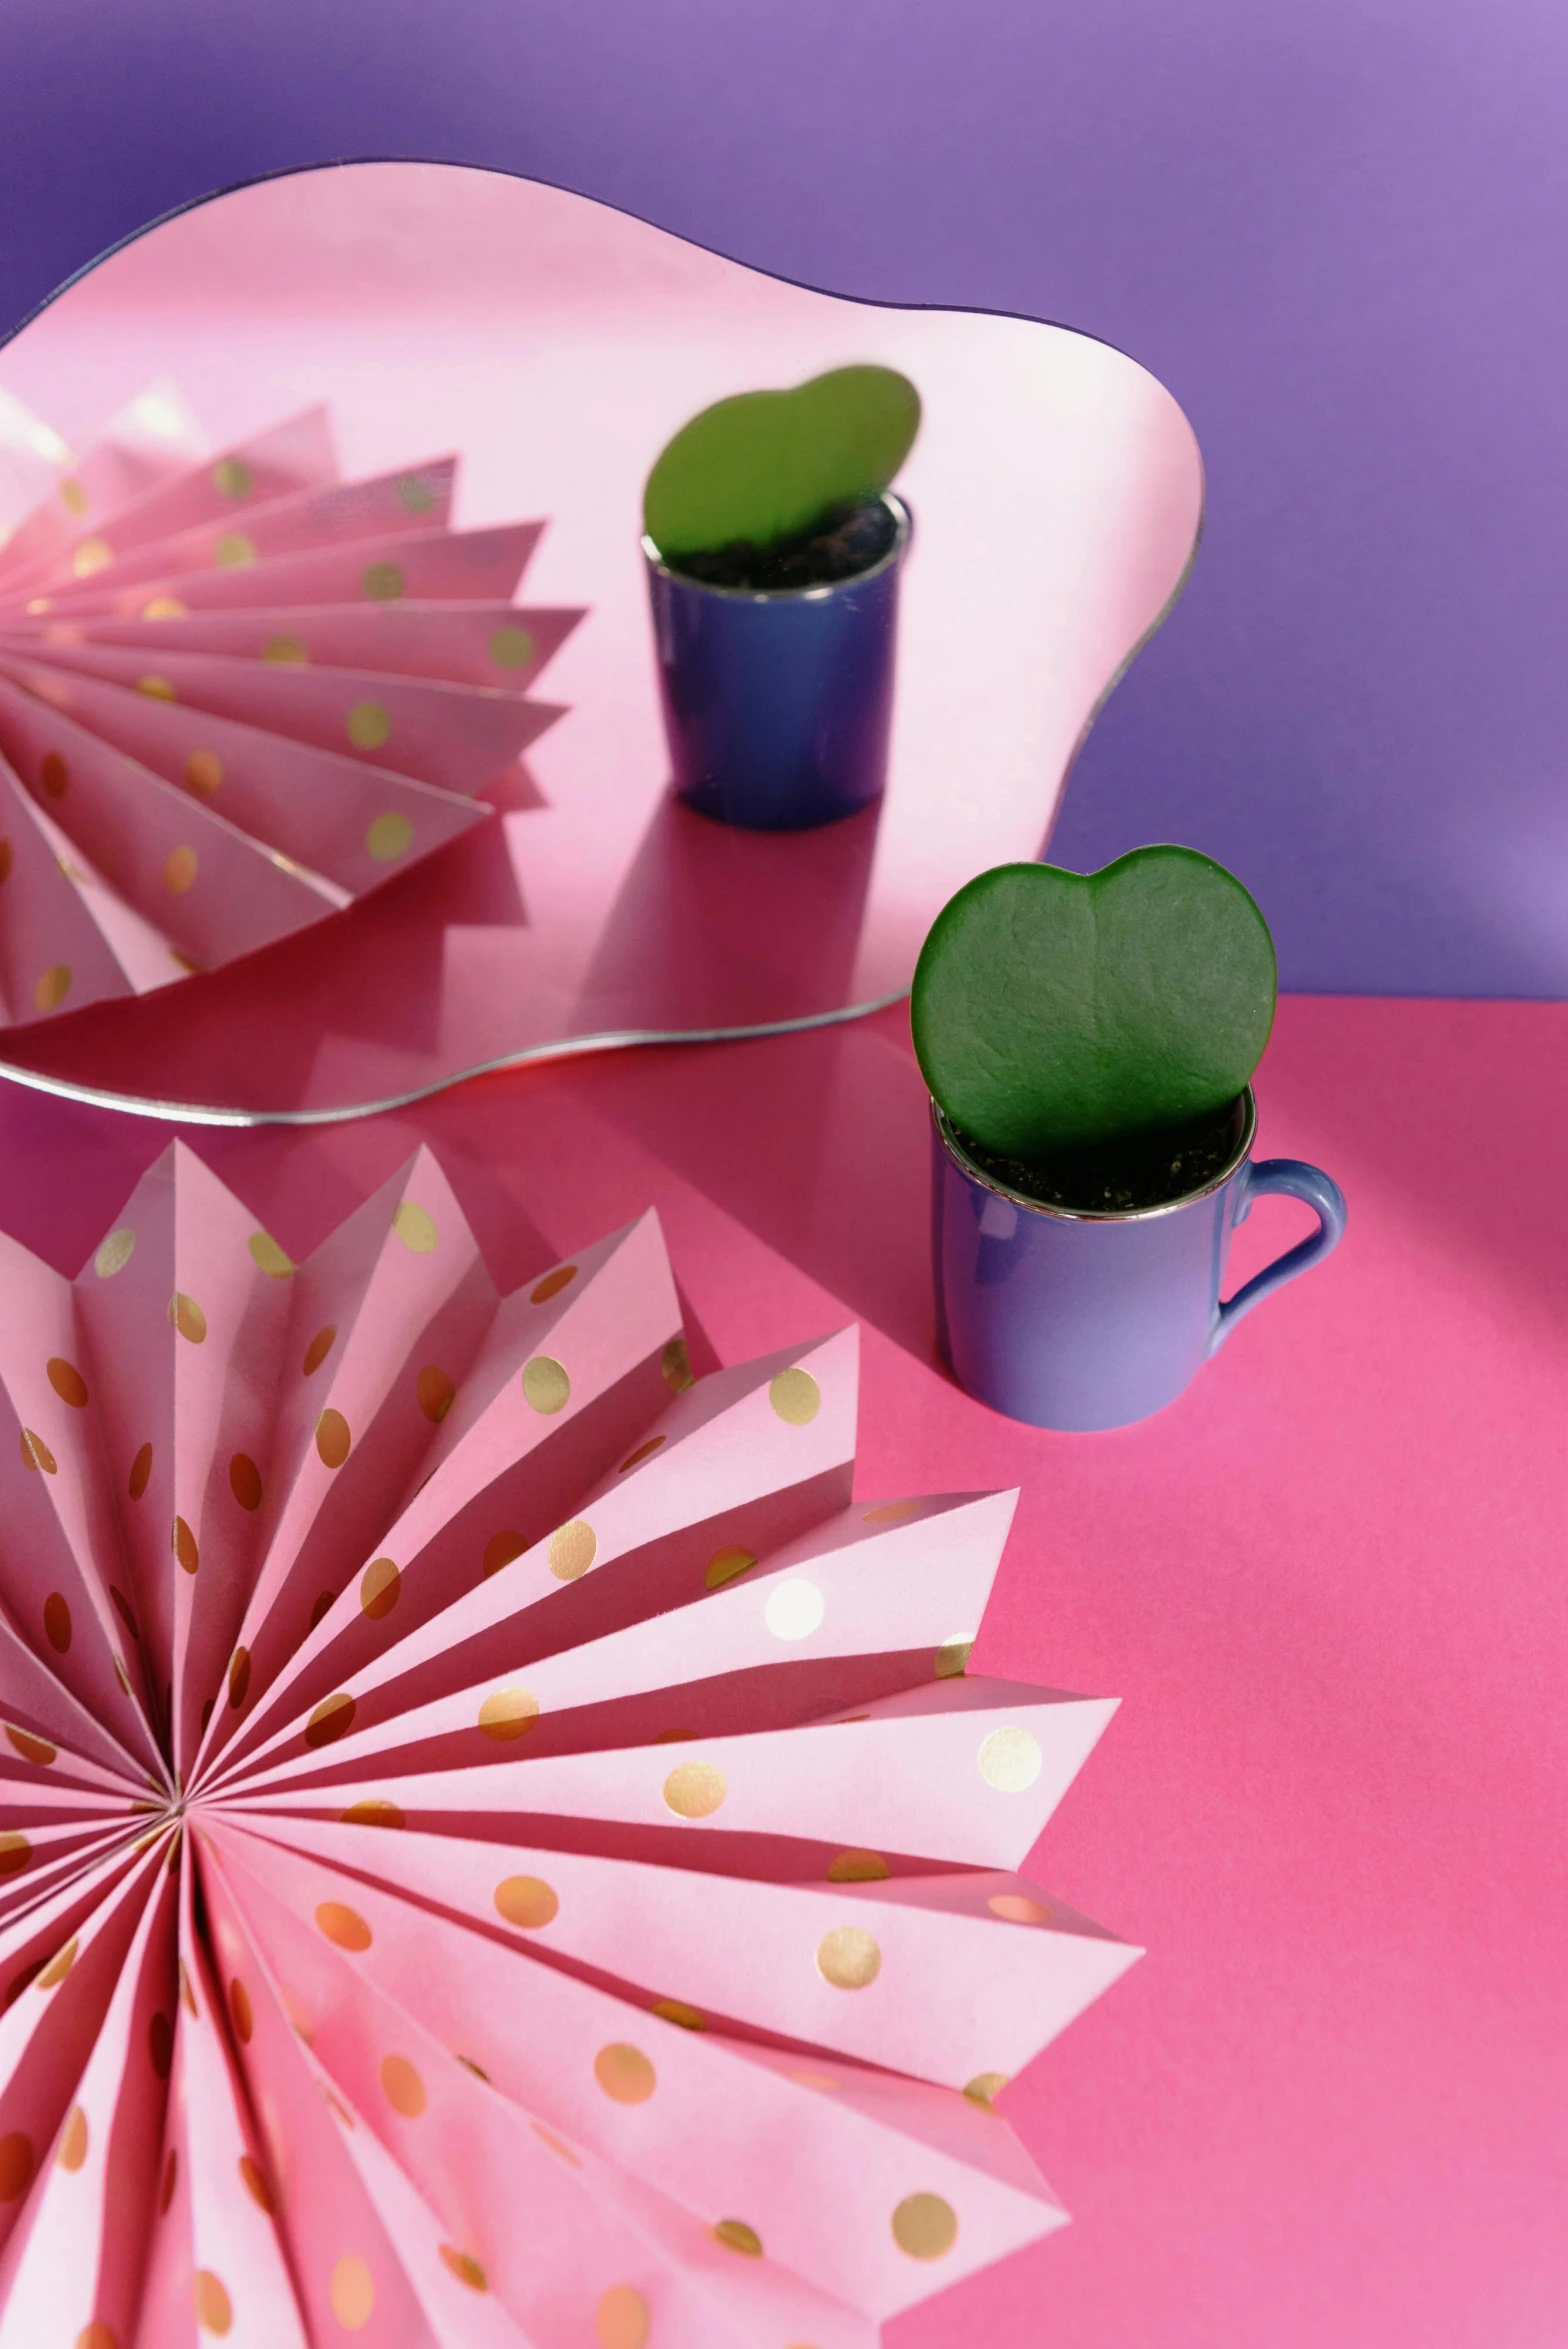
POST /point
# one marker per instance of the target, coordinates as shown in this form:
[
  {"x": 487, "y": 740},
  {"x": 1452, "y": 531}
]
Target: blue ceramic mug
[
  {"x": 778, "y": 702},
  {"x": 1080, "y": 1320}
]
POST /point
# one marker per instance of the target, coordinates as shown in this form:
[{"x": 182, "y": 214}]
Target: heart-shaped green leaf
[
  {"x": 1053, "y": 1010},
  {"x": 766, "y": 464}
]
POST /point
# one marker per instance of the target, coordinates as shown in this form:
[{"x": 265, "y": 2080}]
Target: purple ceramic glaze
[{"x": 1082, "y": 1321}]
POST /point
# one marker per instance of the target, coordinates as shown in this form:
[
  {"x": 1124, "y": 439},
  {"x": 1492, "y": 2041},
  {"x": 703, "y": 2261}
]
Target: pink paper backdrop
[
  {"x": 1057, "y": 492},
  {"x": 1326, "y": 1585}
]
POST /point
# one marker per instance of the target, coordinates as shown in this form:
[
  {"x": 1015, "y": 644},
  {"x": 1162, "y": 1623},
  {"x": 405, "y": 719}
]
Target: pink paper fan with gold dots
[
  {"x": 236, "y": 694},
  {"x": 499, "y": 1846}
]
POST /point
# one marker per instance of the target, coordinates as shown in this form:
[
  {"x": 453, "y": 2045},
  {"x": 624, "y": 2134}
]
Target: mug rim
[
  {"x": 976, "y": 1174},
  {"x": 785, "y": 595}
]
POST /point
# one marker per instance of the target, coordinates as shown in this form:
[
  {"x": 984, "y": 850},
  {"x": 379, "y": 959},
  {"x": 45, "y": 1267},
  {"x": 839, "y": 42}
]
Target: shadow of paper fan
[
  {"x": 443, "y": 1900},
  {"x": 237, "y": 694}
]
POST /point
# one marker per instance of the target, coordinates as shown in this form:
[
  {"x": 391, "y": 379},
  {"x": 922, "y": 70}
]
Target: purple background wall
[{"x": 1335, "y": 231}]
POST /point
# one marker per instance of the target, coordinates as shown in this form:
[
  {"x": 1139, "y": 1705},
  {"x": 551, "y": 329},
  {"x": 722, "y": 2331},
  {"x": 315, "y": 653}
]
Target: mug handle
[{"x": 1295, "y": 1180}]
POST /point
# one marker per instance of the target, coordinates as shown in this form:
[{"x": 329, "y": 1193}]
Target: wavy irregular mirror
[{"x": 303, "y": 490}]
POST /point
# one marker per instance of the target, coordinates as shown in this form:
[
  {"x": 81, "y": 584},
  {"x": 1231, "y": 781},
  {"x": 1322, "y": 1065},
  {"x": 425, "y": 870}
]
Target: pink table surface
[{"x": 1327, "y": 1584}]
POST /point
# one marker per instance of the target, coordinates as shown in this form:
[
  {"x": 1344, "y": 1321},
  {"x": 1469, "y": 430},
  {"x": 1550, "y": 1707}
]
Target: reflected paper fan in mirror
[
  {"x": 472, "y": 1794},
  {"x": 238, "y": 693},
  {"x": 1056, "y": 492}
]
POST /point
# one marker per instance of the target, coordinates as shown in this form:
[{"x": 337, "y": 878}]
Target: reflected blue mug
[
  {"x": 1078, "y": 1319},
  {"x": 778, "y": 702}
]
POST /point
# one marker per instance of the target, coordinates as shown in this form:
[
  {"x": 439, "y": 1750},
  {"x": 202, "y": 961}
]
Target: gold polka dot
[
  {"x": 234, "y": 551},
  {"x": 94, "y": 554},
  {"x": 368, "y": 725},
  {"x": 184, "y": 1545},
  {"x": 343, "y": 1925},
  {"x": 333, "y": 1718},
  {"x": 332, "y": 1438},
  {"x": 891, "y": 1513},
  {"x": 54, "y": 774},
  {"x": 37, "y": 1750},
  {"x": 254, "y": 2179},
  {"x": 203, "y": 773},
  {"x": 415, "y": 1226},
  {"x": 382, "y": 582},
  {"x": 187, "y": 1317},
  {"x": 675, "y": 1367},
  {"x": 160, "y": 2045},
  {"x": 858, "y": 1867},
  {"x": 380, "y": 1587},
  {"x": 643, "y": 1452},
  {"x": 373, "y": 1812},
  {"x": 545, "y": 1384},
  {"x": 624, "y": 2073},
  {"x": 557, "y": 2145},
  {"x": 925, "y": 2226},
  {"x": 269, "y": 1258},
  {"x": 17, "y": 2164},
  {"x": 508, "y": 1713},
  {"x": 319, "y": 1348},
  {"x": 156, "y": 688},
  {"x": 794, "y": 1609},
  {"x": 848, "y": 1958},
  {"x": 621, "y": 2318},
  {"x": 675, "y": 2010},
  {"x": 53, "y": 988},
  {"x": 402, "y": 2086},
  {"x": 334, "y": 2104},
  {"x": 36, "y": 1453},
  {"x": 186, "y": 1992},
  {"x": 389, "y": 836},
  {"x": 726, "y": 1564},
  {"x": 289, "y": 652},
  {"x": 141, "y": 1471},
  {"x": 123, "y": 1677},
  {"x": 231, "y": 477},
  {"x": 179, "y": 871},
  {"x": 414, "y": 494},
  {"x": 500, "y": 1550},
  {"x": 97, "y": 2336},
  {"x": 694, "y": 1791},
  {"x": 984, "y": 2086},
  {"x": 552, "y": 1284},
  {"x": 54, "y": 1973},
  {"x": 240, "y": 2010},
  {"x": 73, "y": 497},
  {"x": 245, "y": 1481},
  {"x": 952, "y": 1657},
  {"x": 527, "y": 1902},
  {"x": 465, "y": 2267},
  {"x": 434, "y": 1392},
  {"x": 73, "y": 2140},
  {"x": 6, "y": 854},
  {"x": 571, "y": 1550},
  {"x": 239, "y": 1678},
  {"x": 676, "y": 1737},
  {"x": 57, "y": 1622},
  {"x": 67, "y": 1382},
  {"x": 795, "y": 1396},
  {"x": 478, "y": 2070},
  {"x": 163, "y": 607},
  {"x": 1010, "y": 1759},
  {"x": 114, "y": 1253},
  {"x": 735, "y": 2235},
  {"x": 353, "y": 2293},
  {"x": 1017, "y": 1909},
  {"x": 511, "y": 648}
]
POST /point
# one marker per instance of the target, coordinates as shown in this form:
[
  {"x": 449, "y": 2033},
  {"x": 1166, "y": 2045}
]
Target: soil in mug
[
  {"x": 847, "y": 540},
  {"x": 1147, "y": 1170}
]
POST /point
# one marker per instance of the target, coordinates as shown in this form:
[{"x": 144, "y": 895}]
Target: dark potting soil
[
  {"x": 1147, "y": 1170},
  {"x": 848, "y": 539}
]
